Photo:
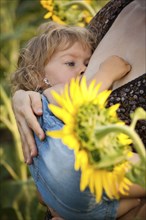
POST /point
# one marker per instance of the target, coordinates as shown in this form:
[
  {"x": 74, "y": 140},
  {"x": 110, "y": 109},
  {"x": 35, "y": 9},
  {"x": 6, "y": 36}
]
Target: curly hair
[{"x": 39, "y": 50}]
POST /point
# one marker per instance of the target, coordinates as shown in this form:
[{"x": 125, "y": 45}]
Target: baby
[{"x": 58, "y": 54}]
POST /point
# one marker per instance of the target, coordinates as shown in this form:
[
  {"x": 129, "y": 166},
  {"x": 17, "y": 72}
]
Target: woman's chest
[{"x": 126, "y": 38}]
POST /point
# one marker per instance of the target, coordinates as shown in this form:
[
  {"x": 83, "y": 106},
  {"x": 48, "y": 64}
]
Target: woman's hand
[{"x": 26, "y": 105}]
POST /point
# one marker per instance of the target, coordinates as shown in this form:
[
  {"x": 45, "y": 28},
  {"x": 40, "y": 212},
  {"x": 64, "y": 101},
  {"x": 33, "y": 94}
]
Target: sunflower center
[{"x": 86, "y": 128}]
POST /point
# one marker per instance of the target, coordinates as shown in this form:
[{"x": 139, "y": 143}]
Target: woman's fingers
[
  {"x": 28, "y": 144},
  {"x": 31, "y": 123},
  {"x": 25, "y": 149},
  {"x": 24, "y": 108},
  {"x": 36, "y": 103}
]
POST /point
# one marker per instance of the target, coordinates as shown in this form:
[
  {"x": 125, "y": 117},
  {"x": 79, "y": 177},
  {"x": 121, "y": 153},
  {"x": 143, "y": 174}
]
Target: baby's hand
[{"x": 115, "y": 67}]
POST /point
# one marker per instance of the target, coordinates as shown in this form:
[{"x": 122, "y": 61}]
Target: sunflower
[
  {"x": 95, "y": 133},
  {"x": 49, "y": 5}
]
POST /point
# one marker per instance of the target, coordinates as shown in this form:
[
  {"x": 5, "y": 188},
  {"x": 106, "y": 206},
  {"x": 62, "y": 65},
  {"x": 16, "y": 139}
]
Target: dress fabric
[
  {"x": 131, "y": 96},
  {"x": 104, "y": 19}
]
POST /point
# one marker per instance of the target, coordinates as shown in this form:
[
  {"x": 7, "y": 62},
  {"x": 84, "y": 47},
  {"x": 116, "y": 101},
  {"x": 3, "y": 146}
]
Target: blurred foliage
[
  {"x": 19, "y": 21},
  {"x": 77, "y": 12},
  {"x": 17, "y": 191}
]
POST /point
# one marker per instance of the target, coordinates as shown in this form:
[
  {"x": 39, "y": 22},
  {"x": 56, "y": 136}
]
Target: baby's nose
[{"x": 82, "y": 70}]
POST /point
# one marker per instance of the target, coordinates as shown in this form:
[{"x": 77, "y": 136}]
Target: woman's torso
[
  {"x": 130, "y": 91},
  {"x": 125, "y": 38}
]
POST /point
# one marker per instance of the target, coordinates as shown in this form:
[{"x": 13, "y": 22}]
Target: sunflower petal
[
  {"x": 55, "y": 134},
  {"x": 85, "y": 176},
  {"x": 107, "y": 184},
  {"x": 61, "y": 113},
  {"x": 48, "y": 15},
  {"x": 98, "y": 185}
]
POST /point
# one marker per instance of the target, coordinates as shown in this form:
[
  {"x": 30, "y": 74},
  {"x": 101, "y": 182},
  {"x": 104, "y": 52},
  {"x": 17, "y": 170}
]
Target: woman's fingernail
[
  {"x": 28, "y": 161},
  {"x": 40, "y": 137},
  {"x": 39, "y": 110},
  {"x": 32, "y": 154}
]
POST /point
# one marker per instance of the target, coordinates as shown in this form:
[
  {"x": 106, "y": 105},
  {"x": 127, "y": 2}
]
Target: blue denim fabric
[{"x": 57, "y": 181}]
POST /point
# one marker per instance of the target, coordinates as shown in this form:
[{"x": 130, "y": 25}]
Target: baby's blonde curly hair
[{"x": 39, "y": 50}]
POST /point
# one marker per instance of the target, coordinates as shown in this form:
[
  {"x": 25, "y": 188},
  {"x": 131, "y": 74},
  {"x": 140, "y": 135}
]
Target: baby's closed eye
[{"x": 70, "y": 63}]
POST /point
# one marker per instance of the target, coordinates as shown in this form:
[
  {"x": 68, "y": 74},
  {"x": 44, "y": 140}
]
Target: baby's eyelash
[{"x": 70, "y": 64}]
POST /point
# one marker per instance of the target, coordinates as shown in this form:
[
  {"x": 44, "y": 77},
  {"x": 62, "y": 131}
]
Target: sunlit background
[{"x": 19, "y": 20}]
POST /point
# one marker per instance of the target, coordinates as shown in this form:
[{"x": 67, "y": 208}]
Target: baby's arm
[
  {"x": 111, "y": 70},
  {"x": 136, "y": 195},
  {"x": 127, "y": 203}
]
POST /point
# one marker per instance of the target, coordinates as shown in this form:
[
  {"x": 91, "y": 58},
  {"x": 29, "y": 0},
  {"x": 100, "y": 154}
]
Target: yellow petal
[
  {"x": 75, "y": 93},
  {"x": 61, "y": 113},
  {"x": 83, "y": 87},
  {"x": 107, "y": 184},
  {"x": 58, "y": 98},
  {"x": 88, "y": 19},
  {"x": 71, "y": 142},
  {"x": 124, "y": 188},
  {"x": 78, "y": 160},
  {"x": 82, "y": 158},
  {"x": 57, "y": 19},
  {"x": 50, "y": 8},
  {"x": 48, "y": 15},
  {"x": 93, "y": 90},
  {"x": 124, "y": 139},
  {"x": 85, "y": 176},
  {"x": 112, "y": 109},
  {"x": 68, "y": 103},
  {"x": 55, "y": 134},
  {"x": 102, "y": 97},
  {"x": 92, "y": 183},
  {"x": 98, "y": 185}
]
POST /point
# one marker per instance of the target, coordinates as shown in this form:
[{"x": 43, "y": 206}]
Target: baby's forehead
[
  {"x": 70, "y": 44},
  {"x": 75, "y": 50}
]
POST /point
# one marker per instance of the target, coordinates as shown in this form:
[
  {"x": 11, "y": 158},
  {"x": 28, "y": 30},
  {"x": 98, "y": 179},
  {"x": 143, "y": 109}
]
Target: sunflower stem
[{"x": 138, "y": 145}]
